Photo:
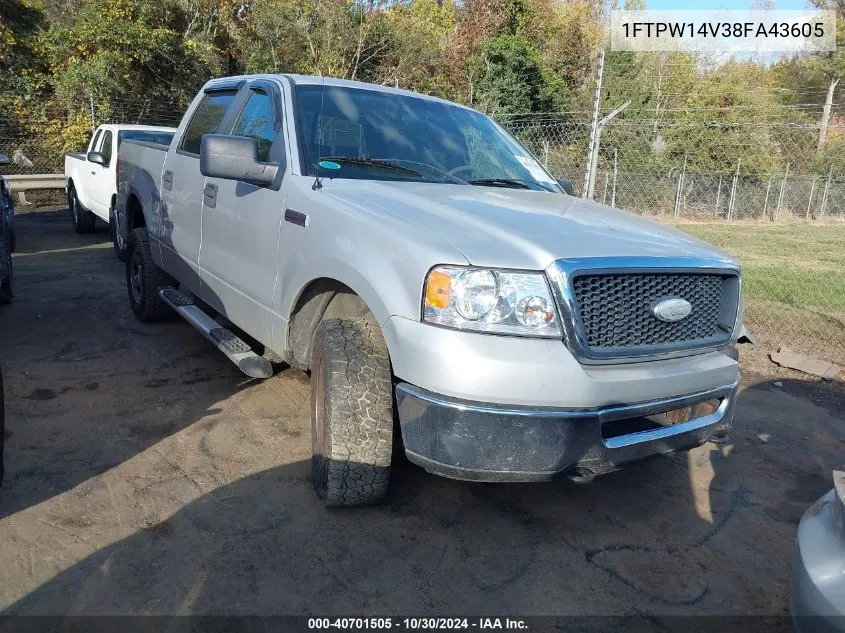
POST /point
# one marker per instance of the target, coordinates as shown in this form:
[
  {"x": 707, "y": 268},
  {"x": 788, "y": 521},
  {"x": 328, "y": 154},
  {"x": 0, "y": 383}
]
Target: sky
[{"x": 721, "y": 4}]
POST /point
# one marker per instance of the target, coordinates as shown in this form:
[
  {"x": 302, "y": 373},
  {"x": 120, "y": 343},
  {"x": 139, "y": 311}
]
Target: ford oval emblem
[{"x": 671, "y": 309}]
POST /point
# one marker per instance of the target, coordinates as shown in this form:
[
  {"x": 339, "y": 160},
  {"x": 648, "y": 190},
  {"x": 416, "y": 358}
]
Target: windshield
[
  {"x": 369, "y": 134},
  {"x": 149, "y": 136}
]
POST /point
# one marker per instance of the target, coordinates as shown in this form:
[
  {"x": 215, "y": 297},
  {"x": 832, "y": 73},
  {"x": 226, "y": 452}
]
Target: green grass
[
  {"x": 793, "y": 278},
  {"x": 799, "y": 265}
]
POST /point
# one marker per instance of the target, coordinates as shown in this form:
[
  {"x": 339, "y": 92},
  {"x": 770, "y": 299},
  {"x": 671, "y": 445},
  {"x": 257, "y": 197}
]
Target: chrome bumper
[{"x": 488, "y": 442}]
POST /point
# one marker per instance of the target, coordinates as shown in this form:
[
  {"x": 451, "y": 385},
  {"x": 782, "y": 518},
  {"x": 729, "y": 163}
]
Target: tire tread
[{"x": 358, "y": 411}]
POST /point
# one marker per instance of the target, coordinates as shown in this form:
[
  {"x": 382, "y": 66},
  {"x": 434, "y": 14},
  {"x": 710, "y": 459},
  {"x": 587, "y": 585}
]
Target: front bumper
[
  {"x": 817, "y": 592},
  {"x": 489, "y": 442}
]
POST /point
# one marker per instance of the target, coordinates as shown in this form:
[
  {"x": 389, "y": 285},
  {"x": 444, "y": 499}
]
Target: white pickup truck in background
[{"x": 91, "y": 177}]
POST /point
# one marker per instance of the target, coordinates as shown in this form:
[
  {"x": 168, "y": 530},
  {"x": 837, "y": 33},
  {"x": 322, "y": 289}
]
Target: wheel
[
  {"x": 117, "y": 239},
  {"x": 7, "y": 286},
  {"x": 83, "y": 219},
  {"x": 351, "y": 413},
  {"x": 144, "y": 278}
]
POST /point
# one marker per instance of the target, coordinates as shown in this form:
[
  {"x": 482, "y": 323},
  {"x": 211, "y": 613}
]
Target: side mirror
[
  {"x": 4, "y": 160},
  {"x": 566, "y": 185},
  {"x": 234, "y": 158},
  {"x": 96, "y": 157}
]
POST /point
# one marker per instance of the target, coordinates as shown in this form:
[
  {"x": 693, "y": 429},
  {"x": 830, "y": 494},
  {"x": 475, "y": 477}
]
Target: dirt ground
[{"x": 147, "y": 475}]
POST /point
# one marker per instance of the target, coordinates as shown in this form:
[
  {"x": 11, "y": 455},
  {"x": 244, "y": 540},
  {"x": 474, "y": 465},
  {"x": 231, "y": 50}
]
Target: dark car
[{"x": 7, "y": 238}]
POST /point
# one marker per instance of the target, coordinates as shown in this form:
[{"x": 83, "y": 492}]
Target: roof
[
  {"x": 315, "y": 80},
  {"x": 147, "y": 128}
]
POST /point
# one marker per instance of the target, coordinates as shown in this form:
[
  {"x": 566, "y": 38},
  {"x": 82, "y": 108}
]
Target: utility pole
[
  {"x": 594, "y": 154},
  {"x": 588, "y": 175},
  {"x": 828, "y": 102}
]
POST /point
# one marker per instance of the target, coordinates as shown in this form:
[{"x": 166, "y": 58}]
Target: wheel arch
[
  {"x": 134, "y": 213},
  {"x": 319, "y": 299}
]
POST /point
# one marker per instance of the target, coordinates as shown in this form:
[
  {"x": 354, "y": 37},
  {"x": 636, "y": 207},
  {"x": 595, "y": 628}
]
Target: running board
[{"x": 235, "y": 349}]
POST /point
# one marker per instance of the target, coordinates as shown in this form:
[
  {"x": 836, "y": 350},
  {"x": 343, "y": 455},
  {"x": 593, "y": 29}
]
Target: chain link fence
[{"x": 761, "y": 190}]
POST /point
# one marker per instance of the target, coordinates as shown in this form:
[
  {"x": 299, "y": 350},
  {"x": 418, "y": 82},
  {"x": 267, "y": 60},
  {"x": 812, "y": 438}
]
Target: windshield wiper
[
  {"x": 510, "y": 183},
  {"x": 370, "y": 162}
]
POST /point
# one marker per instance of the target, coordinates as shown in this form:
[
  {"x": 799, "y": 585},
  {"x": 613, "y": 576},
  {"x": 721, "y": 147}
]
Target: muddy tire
[
  {"x": 144, "y": 278},
  {"x": 118, "y": 241},
  {"x": 351, "y": 413},
  {"x": 7, "y": 286},
  {"x": 83, "y": 219}
]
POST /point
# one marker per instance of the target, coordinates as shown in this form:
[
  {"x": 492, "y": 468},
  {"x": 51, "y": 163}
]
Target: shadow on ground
[{"x": 175, "y": 486}]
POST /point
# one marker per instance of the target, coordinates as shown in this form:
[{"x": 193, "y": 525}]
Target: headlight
[{"x": 485, "y": 300}]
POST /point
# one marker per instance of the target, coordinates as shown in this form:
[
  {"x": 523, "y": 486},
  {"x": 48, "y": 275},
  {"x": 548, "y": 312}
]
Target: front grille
[{"x": 615, "y": 310}]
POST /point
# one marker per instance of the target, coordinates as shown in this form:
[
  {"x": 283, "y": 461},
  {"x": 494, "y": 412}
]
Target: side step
[{"x": 237, "y": 350}]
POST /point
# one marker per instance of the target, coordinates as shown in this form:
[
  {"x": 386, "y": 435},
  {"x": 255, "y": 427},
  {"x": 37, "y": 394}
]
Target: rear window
[
  {"x": 206, "y": 119},
  {"x": 162, "y": 138}
]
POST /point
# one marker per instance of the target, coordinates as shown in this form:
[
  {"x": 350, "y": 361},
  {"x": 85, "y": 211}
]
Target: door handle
[
  {"x": 209, "y": 195},
  {"x": 167, "y": 180}
]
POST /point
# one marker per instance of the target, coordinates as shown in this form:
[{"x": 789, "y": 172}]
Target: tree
[{"x": 513, "y": 79}]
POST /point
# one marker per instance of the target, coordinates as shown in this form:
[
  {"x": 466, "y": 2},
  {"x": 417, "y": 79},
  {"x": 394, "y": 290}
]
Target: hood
[{"x": 516, "y": 228}]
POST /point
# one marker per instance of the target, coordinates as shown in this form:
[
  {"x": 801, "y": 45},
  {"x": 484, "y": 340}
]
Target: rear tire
[
  {"x": 117, "y": 239},
  {"x": 83, "y": 219},
  {"x": 351, "y": 413},
  {"x": 7, "y": 286},
  {"x": 144, "y": 278}
]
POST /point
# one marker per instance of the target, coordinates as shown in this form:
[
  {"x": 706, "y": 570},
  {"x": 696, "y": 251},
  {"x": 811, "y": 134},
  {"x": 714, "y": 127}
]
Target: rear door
[
  {"x": 182, "y": 187},
  {"x": 241, "y": 221},
  {"x": 99, "y": 179}
]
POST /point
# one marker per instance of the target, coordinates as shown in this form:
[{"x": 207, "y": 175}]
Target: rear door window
[{"x": 206, "y": 119}]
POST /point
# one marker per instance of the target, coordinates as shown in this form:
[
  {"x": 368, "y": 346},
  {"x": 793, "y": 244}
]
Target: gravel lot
[{"x": 145, "y": 474}]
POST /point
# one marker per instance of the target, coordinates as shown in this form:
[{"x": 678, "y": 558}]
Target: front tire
[
  {"x": 351, "y": 413},
  {"x": 83, "y": 219},
  {"x": 117, "y": 239},
  {"x": 144, "y": 278}
]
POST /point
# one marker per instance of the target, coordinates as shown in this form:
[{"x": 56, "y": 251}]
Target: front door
[
  {"x": 101, "y": 182},
  {"x": 182, "y": 184},
  {"x": 241, "y": 222}
]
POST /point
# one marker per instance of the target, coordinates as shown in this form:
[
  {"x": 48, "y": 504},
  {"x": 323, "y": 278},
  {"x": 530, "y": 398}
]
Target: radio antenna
[{"x": 318, "y": 183}]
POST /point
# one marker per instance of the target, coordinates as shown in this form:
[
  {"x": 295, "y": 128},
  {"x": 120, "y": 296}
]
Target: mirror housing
[
  {"x": 4, "y": 160},
  {"x": 234, "y": 158},
  {"x": 97, "y": 158},
  {"x": 566, "y": 185}
]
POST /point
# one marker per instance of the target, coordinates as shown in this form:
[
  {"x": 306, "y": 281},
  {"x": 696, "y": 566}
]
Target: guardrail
[{"x": 36, "y": 181}]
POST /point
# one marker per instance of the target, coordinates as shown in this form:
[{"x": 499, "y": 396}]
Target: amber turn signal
[{"x": 437, "y": 289}]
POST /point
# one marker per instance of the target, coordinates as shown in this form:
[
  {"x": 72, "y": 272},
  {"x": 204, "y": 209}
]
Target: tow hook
[{"x": 580, "y": 475}]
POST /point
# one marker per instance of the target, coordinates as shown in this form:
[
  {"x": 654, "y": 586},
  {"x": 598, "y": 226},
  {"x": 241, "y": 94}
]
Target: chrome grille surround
[{"x": 592, "y": 345}]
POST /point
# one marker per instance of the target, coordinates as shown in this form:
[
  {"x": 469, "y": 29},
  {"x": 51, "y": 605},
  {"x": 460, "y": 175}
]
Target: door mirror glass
[
  {"x": 566, "y": 185},
  {"x": 234, "y": 158},
  {"x": 4, "y": 160},
  {"x": 96, "y": 157}
]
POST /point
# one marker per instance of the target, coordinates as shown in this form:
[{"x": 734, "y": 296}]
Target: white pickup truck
[
  {"x": 428, "y": 271},
  {"x": 91, "y": 176}
]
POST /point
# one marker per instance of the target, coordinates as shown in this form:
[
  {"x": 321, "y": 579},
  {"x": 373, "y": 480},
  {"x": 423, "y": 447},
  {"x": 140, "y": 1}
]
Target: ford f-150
[{"x": 427, "y": 270}]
